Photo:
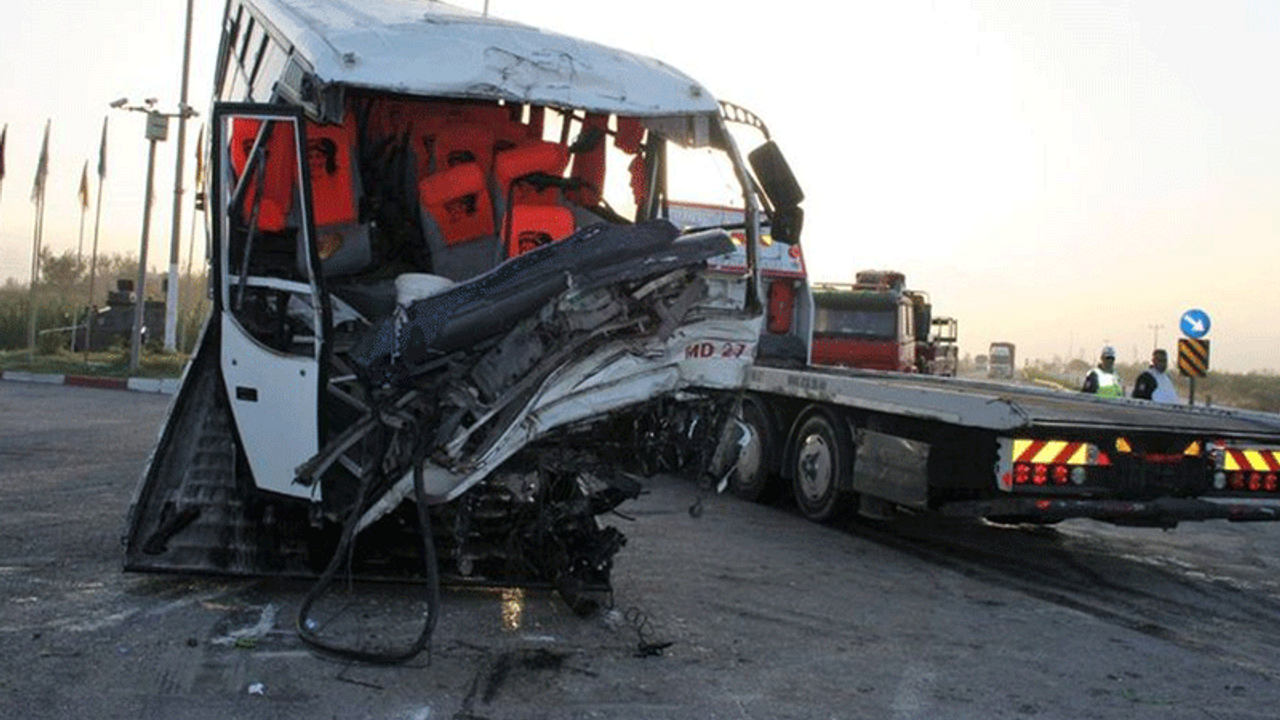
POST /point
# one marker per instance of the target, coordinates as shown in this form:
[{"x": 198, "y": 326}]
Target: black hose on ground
[{"x": 335, "y": 564}]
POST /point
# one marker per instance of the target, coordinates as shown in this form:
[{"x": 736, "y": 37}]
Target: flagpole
[
  {"x": 3, "y": 133},
  {"x": 35, "y": 269},
  {"x": 84, "y": 209},
  {"x": 93, "y": 261},
  {"x": 37, "y": 194},
  {"x": 191, "y": 249},
  {"x": 199, "y": 183},
  {"x": 175, "y": 241},
  {"x": 191, "y": 243}
]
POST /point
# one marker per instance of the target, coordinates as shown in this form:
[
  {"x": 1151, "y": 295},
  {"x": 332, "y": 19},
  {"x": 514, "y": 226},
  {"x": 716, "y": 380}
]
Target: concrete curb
[{"x": 163, "y": 386}]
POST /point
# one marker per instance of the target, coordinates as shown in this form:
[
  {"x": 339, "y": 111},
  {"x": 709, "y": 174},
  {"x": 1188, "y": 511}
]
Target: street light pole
[
  {"x": 157, "y": 130},
  {"x": 171, "y": 301}
]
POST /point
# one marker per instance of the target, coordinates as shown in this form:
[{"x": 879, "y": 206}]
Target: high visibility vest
[{"x": 1108, "y": 383}]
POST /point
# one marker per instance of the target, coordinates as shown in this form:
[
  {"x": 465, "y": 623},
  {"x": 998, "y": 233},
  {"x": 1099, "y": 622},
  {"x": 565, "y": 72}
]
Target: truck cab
[
  {"x": 1000, "y": 361},
  {"x": 863, "y": 325},
  {"x": 876, "y": 323}
]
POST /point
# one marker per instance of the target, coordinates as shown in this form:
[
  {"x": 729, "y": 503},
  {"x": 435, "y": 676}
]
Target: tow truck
[
  {"x": 457, "y": 316},
  {"x": 881, "y": 444}
]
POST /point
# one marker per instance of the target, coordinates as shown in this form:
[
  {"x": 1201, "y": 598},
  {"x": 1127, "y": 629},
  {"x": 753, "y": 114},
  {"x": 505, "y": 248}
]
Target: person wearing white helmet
[{"x": 1103, "y": 380}]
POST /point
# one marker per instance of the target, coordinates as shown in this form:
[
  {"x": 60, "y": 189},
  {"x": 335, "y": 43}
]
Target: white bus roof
[{"x": 429, "y": 48}]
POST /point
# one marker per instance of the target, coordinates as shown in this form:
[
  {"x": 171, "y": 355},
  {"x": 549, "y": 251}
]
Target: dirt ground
[{"x": 745, "y": 611}]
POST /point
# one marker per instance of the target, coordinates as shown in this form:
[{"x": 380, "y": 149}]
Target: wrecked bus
[{"x": 447, "y": 296}]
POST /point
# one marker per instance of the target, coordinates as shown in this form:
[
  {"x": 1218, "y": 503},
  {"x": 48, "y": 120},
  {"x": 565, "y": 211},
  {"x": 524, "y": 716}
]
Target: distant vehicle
[
  {"x": 878, "y": 323},
  {"x": 1001, "y": 363},
  {"x": 942, "y": 342},
  {"x": 113, "y": 323},
  {"x": 980, "y": 363}
]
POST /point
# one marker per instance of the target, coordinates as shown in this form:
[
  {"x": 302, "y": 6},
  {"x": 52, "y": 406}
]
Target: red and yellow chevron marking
[
  {"x": 1051, "y": 452},
  {"x": 1250, "y": 460}
]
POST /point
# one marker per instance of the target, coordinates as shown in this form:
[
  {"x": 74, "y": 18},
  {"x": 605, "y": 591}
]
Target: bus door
[{"x": 271, "y": 305}]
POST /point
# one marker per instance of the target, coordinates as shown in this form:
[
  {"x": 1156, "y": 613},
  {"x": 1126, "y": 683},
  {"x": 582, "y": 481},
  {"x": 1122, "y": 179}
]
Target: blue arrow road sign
[{"x": 1195, "y": 324}]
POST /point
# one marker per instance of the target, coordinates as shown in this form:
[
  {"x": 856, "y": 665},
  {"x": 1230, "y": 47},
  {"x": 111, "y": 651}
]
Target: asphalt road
[{"x": 759, "y": 613}]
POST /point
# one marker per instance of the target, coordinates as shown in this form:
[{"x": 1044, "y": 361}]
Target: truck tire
[
  {"x": 823, "y": 457},
  {"x": 752, "y": 478}
]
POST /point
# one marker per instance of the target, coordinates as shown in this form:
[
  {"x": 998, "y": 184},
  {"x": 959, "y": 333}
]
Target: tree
[
  {"x": 1078, "y": 366},
  {"x": 60, "y": 271}
]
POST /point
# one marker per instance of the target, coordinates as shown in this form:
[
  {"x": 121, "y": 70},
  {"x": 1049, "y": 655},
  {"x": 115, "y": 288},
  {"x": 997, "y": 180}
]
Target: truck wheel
[
  {"x": 822, "y": 457},
  {"x": 751, "y": 479}
]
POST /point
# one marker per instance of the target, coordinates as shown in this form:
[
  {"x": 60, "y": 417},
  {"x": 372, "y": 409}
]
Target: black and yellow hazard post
[{"x": 1193, "y": 361}]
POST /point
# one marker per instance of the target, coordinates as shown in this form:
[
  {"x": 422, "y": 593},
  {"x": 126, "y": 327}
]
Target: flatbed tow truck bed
[
  {"x": 972, "y": 448},
  {"x": 1005, "y": 406}
]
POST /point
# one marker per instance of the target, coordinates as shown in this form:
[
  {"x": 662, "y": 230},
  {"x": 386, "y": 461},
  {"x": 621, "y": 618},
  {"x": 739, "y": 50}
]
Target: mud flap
[{"x": 191, "y": 512}]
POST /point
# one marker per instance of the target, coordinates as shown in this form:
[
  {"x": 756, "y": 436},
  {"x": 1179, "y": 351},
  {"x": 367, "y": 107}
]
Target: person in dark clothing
[{"x": 1154, "y": 383}]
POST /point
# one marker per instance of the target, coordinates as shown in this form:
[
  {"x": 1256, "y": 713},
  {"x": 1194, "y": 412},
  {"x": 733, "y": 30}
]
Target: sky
[{"x": 1061, "y": 175}]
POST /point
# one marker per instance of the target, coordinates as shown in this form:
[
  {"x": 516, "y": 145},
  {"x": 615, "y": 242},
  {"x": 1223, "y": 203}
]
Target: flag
[
  {"x": 102, "y": 152},
  {"x": 199, "y": 156},
  {"x": 84, "y": 186},
  {"x": 3, "y": 133},
  {"x": 42, "y": 169}
]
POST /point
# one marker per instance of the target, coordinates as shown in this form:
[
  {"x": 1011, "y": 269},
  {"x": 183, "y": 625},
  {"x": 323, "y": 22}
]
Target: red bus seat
[
  {"x": 463, "y": 144},
  {"x": 458, "y": 222},
  {"x": 333, "y": 179},
  {"x": 532, "y": 226},
  {"x": 532, "y": 213},
  {"x": 278, "y": 177},
  {"x": 342, "y": 240}
]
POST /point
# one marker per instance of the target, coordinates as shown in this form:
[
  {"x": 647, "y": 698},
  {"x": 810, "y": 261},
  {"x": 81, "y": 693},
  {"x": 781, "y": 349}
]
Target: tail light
[
  {"x": 1040, "y": 474},
  {"x": 1248, "y": 481},
  {"x": 1048, "y": 463},
  {"x": 1044, "y": 475},
  {"x": 1242, "y": 468},
  {"x": 1060, "y": 475}
]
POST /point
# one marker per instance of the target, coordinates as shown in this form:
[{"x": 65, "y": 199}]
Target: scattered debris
[{"x": 247, "y": 638}]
